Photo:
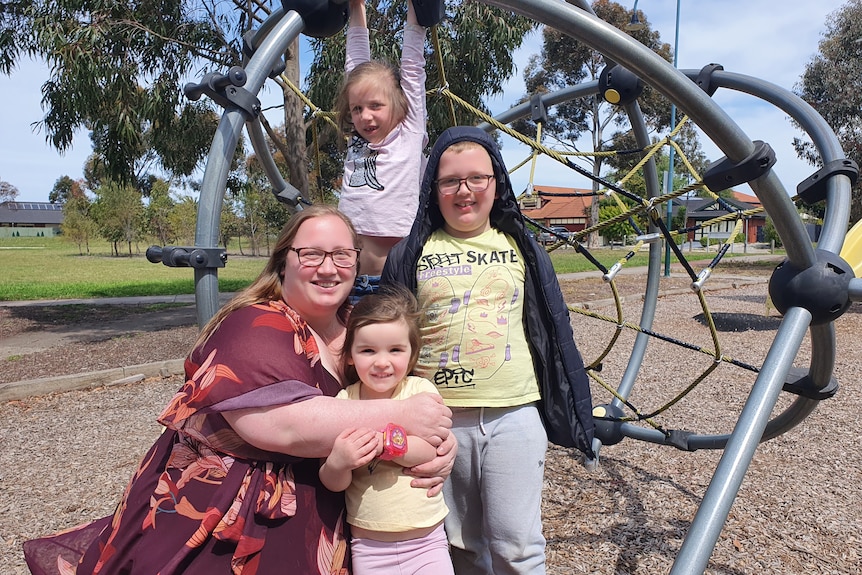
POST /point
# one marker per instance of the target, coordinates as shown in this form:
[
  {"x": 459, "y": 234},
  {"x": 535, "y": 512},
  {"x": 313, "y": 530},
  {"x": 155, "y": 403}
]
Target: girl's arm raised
[
  {"x": 358, "y": 47},
  {"x": 357, "y": 14}
]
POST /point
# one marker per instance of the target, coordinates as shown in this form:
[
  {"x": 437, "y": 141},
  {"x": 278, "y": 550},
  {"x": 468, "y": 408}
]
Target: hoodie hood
[
  {"x": 566, "y": 405},
  {"x": 505, "y": 215}
]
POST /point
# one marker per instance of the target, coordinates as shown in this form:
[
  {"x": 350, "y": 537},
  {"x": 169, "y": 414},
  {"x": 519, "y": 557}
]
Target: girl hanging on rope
[{"x": 382, "y": 111}]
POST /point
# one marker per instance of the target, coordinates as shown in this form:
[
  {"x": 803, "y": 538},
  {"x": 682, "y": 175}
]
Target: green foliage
[
  {"x": 565, "y": 62},
  {"x": 182, "y": 220},
  {"x": 118, "y": 213},
  {"x": 65, "y": 188},
  {"x": 617, "y": 231},
  {"x": 115, "y": 68},
  {"x": 832, "y": 84},
  {"x": 78, "y": 227},
  {"x": 158, "y": 211}
]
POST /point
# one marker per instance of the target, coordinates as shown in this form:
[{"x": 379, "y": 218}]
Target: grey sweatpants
[{"x": 494, "y": 493}]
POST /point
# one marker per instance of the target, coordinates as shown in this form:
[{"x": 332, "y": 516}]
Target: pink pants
[{"x": 427, "y": 555}]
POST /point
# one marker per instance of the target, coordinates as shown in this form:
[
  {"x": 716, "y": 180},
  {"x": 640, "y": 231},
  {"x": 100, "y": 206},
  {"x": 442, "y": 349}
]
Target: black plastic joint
[
  {"x": 798, "y": 382},
  {"x": 429, "y": 12},
  {"x": 823, "y": 289},
  {"x": 227, "y": 91},
  {"x": 608, "y": 422},
  {"x": 538, "y": 111},
  {"x": 187, "y": 256},
  {"x": 705, "y": 79},
  {"x": 813, "y": 188},
  {"x": 238, "y": 97},
  {"x": 619, "y": 86},
  {"x": 722, "y": 174},
  {"x": 288, "y": 195},
  {"x": 679, "y": 438},
  {"x": 321, "y": 18}
]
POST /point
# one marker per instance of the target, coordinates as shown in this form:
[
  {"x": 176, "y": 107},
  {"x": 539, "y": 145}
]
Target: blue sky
[{"x": 760, "y": 38}]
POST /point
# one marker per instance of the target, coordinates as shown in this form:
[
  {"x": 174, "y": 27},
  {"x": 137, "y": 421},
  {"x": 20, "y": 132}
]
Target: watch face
[
  {"x": 395, "y": 440},
  {"x": 398, "y": 439}
]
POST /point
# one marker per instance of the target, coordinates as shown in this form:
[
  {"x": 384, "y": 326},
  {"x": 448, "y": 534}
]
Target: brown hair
[
  {"x": 379, "y": 73},
  {"x": 391, "y": 304},
  {"x": 462, "y": 146},
  {"x": 267, "y": 286}
]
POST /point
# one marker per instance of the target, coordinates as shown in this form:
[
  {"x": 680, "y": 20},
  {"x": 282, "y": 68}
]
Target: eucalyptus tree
[{"x": 832, "y": 84}]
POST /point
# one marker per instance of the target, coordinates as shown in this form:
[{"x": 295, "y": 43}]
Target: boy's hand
[{"x": 354, "y": 448}]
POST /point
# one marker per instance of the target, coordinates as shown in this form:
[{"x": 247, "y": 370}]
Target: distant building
[
  {"x": 553, "y": 206},
  {"x": 700, "y": 210},
  {"x": 22, "y": 219}
]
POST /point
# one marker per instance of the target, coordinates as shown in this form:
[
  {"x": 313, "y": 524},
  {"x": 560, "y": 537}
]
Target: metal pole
[{"x": 671, "y": 152}]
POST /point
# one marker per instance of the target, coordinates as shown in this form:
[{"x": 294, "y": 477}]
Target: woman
[{"x": 232, "y": 486}]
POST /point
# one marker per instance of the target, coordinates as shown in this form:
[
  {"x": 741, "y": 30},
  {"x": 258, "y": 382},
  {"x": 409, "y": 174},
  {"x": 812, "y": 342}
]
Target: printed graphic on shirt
[
  {"x": 469, "y": 299},
  {"x": 364, "y": 164}
]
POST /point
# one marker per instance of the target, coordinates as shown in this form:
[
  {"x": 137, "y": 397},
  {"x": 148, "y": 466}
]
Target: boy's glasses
[
  {"x": 476, "y": 184},
  {"x": 313, "y": 257}
]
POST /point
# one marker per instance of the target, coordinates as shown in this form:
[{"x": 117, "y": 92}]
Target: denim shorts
[{"x": 364, "y": 285}]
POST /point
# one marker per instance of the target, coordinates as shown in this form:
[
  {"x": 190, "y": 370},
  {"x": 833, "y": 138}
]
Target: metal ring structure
[{"x": 578, "y": 21}]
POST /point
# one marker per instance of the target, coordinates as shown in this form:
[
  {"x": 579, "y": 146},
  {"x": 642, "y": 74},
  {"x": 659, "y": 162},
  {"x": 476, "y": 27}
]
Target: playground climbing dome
[{"x": 812, "y": 288}]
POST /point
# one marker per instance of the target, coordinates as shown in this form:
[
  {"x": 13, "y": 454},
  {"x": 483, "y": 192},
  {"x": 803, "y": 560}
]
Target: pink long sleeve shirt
[{"x": 380, "y": 189}]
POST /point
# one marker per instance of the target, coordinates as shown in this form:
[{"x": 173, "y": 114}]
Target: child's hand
[{"x": 354, "y": 448}]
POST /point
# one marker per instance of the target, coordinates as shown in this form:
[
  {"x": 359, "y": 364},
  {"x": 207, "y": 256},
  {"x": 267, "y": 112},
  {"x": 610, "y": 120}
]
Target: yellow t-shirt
[
  {"x": 475, "y": 348},
  {"x": 383, "y": 500}
]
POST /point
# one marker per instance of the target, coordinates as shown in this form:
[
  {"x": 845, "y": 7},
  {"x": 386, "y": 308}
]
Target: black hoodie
[{"x": 566, "y": 405}]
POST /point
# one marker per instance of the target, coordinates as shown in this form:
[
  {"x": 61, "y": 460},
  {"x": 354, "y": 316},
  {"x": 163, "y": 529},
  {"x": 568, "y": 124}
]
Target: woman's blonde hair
[
  {"x": 391, "y": 304},
  {"x": 374, "y": 72},
  {"x": 267, "y": 286}
]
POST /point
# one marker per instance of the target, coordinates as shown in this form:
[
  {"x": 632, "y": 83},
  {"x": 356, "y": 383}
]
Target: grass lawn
[{"x": 51, "y": 268}]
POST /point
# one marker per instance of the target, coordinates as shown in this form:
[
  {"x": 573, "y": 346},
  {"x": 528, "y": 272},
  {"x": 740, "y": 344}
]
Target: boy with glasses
[{"x": 498, "y": 344}]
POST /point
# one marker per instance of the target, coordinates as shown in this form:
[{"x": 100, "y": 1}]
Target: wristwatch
[{"x": 394, "y": 442}]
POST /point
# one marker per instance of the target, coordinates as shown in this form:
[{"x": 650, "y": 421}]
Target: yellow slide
[{"x": 851, "y": 252}]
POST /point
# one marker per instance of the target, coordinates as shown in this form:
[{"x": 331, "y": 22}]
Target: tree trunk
[{"x": 294, "y": 127}]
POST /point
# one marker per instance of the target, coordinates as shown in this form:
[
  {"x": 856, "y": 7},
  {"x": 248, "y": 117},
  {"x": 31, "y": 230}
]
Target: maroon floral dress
[{"x": 204, "y": 501}]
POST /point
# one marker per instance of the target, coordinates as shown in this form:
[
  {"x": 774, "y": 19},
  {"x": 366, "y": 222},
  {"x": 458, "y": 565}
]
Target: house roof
[
  {"x": 746, "y": 198},
  {"x": 561, "y": 205},
  {"x": 708, "y": 208},
  {"x": 31, "y": 213}
]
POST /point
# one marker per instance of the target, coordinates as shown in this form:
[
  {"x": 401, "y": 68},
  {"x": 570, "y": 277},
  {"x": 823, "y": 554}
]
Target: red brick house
[{"x": 554, "y": 206}]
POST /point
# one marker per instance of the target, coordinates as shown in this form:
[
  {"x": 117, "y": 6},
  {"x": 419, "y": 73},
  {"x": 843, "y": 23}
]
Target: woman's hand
[
  {"x": 427, "y": 417},
  {"x": 431, "y": 475}
]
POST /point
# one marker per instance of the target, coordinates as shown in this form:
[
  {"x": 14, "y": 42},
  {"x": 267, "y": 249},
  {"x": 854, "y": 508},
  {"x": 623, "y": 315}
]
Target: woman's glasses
[
  {"x": 476, "y": 184},
  {"x": 313, "y": 257}
]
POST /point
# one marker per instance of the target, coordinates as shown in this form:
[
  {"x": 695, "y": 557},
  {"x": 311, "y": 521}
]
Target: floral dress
[{"x": 204, "y": 501}]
